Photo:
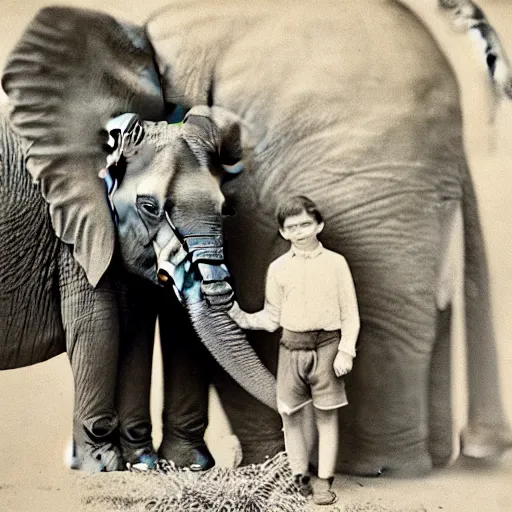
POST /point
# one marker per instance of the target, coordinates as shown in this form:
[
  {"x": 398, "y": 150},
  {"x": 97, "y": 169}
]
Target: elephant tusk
[
  {"x": 168, "y": 259},
  {"x": 165, "y": 271},
  {"x": 162, "y": 276},
  {"x": 165, "y": 274}
]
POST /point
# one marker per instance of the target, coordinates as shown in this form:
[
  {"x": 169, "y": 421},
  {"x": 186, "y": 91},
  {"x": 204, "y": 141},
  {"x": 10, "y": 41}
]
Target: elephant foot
[
  {"x": 141, "y": 459},
  {"x": 137, "y": 446},
  {"x": 389, "y": 467},
  {"x": 257, "y": 451},
  {"x": 101, "y": 459},
  {"x": 196, "y": 457},
  {"x": 486, "y": 442},
  {"x": 94, "y": 448},
  {"x": 361, "y": 469}
]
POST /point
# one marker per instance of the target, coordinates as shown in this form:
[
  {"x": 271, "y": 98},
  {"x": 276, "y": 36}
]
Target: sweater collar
[{"x": 307, "y": 254}]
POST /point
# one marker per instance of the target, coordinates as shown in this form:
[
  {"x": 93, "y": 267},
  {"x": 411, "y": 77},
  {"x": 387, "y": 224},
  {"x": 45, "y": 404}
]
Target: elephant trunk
[
  {"x": 195, "y": 265},
  {"x": 229, "y": 346}
]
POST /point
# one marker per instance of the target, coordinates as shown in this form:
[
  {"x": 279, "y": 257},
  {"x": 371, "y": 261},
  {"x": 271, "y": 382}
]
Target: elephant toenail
[{"x": 140, "y": 466}]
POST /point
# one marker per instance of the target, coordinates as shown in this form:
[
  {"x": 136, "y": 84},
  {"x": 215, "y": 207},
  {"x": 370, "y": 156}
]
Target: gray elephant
[
  {"x": 64, "y": 286},
  {"x": 350, "y": 103}
]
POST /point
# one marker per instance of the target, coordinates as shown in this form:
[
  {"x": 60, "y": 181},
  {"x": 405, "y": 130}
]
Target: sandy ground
[
  {"x": 36, "y": 423},
  {"x": 451, "y": 490},
  {"x": 36, "y": 403}
]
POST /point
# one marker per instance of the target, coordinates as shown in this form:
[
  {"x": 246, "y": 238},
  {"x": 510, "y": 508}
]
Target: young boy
[{"x": 310, "y": 294}]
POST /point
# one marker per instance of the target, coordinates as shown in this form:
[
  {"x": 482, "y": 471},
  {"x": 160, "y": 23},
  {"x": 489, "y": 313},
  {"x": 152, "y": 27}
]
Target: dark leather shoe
[{"x": 322, "y": 494}]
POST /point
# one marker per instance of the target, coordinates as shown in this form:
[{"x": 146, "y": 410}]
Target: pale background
[{"x": 36, "y": 402}]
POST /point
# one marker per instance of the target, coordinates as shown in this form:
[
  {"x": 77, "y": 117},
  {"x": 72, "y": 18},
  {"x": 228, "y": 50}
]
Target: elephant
[
  {"x": 54, "y": 298},
  {"x": 352, "y": 104}
]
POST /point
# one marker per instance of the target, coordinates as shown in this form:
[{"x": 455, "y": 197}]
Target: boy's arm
[
  {"x": 268, "y": 318},
  {"x": 349, "y": 311}
]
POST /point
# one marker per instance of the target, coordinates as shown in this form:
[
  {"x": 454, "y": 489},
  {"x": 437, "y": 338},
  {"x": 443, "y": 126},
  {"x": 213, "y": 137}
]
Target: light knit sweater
[{"x": 307, "y": 291}]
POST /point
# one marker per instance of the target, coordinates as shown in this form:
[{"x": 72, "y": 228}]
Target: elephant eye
[{"x": 148, "y": 206}]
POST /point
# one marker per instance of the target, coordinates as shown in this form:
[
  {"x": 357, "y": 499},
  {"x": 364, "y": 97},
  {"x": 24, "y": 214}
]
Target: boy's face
[{"x": 301, "y": 230}]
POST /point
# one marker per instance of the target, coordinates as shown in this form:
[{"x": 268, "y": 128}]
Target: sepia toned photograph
[{"x": 255, "y": 255}]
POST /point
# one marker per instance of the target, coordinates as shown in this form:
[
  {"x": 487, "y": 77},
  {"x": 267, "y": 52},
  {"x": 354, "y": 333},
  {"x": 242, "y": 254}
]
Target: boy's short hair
[{"x": 295, "y": 206}]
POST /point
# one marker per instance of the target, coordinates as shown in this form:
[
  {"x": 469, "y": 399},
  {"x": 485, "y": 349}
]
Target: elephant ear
[
  {"x": 212, "y": 132},
  {"x": 69, "y": 74}
]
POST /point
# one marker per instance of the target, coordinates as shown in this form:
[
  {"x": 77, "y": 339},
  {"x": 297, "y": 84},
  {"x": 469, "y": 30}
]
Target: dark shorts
[{"x": 306, "y": 375}]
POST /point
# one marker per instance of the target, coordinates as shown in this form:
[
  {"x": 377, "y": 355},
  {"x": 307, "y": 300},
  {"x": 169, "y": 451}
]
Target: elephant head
[
  {"x": 164, "y": 189},
  {"x": 84, "y": 119}
]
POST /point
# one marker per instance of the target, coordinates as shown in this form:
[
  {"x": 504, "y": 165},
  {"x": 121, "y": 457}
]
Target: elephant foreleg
[
  {"x": 386, "y": 426},
  {"x": 442, "y": 414},
  {"x": 187, "y": 376},
  {"x": 92, "y": 333},
  {"x": 138, "y": 310}
]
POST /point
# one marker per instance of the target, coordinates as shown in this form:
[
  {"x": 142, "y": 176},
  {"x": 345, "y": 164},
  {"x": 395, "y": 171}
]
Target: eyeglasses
[{"x": 295, "y": 227}]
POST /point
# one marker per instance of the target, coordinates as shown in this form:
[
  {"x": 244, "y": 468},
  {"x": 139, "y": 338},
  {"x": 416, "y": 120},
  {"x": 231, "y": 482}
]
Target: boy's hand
[{"x": 342, "y": 363}]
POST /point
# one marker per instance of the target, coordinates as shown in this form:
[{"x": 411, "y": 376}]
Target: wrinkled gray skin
[
  {"x": 167, "y": 202},
  {"x": 326, "y": 106},
  {"x": 47, "y": 307},
  {"x": 353, "y": 104}
]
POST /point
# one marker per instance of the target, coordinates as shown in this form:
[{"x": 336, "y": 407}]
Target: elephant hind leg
[
  {"x": 464, "y": 271},
  {"x": 488, "y": 432}
]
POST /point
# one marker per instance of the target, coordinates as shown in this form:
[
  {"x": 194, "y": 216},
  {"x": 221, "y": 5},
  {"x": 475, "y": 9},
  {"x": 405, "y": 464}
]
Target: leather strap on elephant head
[
  {"x": 71, "y": 72},
  {"x": 206, "y": 254},
  {"x": 125, "y": 133}
]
